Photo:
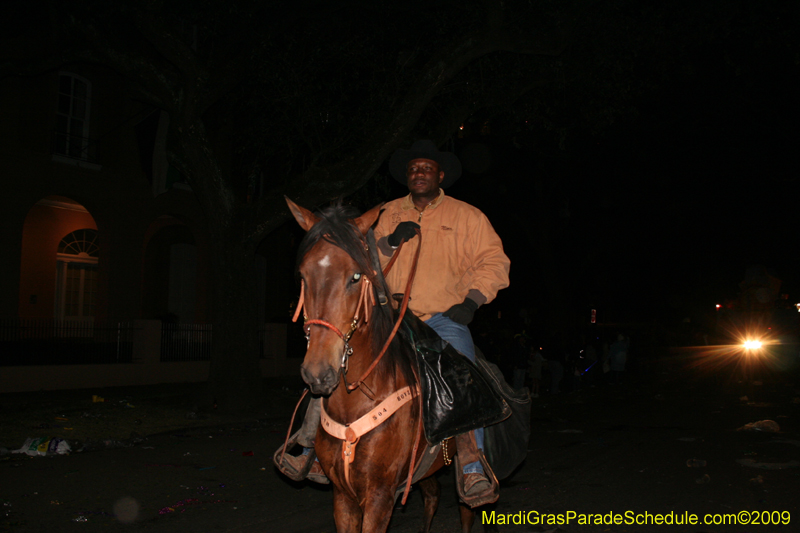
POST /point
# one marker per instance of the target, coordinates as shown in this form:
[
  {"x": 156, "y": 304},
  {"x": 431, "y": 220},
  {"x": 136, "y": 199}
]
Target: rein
[{"x": 403, "y": 307}]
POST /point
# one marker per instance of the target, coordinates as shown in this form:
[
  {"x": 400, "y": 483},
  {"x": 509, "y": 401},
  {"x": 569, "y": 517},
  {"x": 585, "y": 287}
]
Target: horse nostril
[
  {"x": 330, "y": 377},
  {"x": 321, "y": 382},
  {"x": 308, "y": 377}
]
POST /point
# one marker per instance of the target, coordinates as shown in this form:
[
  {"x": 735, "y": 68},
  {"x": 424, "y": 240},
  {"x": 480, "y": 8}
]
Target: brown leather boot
[
  {"x": 294, "y": 466},
  {"x": 302, "y": 467},
  {"x": 474, "y": 489}
]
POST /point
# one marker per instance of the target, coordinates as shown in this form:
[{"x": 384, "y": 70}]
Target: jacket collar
[{"x": 407, "y": 203}]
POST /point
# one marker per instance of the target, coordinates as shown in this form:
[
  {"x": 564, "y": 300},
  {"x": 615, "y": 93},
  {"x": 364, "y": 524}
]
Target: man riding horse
[{"x": 461, "y": 267}]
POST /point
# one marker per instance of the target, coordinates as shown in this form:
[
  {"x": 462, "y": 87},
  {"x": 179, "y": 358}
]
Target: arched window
[
  {"x": 76, "y": 275},
  {"x": 82, "y": 242}
]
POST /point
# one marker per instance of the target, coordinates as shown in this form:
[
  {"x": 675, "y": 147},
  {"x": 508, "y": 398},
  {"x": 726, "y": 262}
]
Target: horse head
[{"x": 336, "y": 296}]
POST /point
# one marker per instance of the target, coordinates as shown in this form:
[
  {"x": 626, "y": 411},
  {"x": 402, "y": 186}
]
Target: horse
[{"x": 347, "y": 322}]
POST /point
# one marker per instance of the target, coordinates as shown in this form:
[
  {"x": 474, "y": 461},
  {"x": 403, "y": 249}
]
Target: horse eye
[{"x": 356, "y": 277}]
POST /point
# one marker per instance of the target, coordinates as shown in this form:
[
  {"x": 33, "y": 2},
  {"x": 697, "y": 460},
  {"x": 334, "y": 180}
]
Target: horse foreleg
[
  {"x": 431, "y": 489},
  {"x": 346, "y": 512},
  {"x": 378, "y": 510}
]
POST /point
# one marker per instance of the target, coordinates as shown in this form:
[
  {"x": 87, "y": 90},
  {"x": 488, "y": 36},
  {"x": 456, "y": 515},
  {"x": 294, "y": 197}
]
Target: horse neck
[{"x": 347, "y": 406}]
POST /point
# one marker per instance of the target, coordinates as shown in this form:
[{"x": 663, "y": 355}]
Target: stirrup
[
  {"x": 489, "y": 496},
  {"x": 287, "y": 468},
  {"x": 317, "y": 475}
]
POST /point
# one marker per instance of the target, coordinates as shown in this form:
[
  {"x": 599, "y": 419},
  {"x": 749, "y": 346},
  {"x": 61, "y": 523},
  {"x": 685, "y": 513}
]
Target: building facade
[{"x": 97, "y": 226}]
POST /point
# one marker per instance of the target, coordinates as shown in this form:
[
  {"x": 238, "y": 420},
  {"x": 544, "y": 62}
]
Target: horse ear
[
  {"x": 303, "y": 216},
  {"x": 365, "y": 221}
]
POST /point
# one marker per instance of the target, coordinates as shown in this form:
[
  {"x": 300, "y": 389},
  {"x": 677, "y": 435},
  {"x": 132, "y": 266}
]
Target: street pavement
[{"x": 665, "y": 442}]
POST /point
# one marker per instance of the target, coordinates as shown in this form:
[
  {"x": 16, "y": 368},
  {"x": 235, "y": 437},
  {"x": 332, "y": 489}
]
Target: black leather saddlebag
[{"x": 456, "y": 396}]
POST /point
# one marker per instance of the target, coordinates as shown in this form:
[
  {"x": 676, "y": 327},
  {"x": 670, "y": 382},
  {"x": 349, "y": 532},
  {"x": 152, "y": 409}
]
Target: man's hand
[
  {"x": 462, "y": 313},
  {"x": 403, "y": 232}
]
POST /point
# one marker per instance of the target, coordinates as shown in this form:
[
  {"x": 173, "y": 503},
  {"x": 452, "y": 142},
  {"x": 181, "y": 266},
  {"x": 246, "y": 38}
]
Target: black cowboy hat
[{"x": 448, "y": 162}]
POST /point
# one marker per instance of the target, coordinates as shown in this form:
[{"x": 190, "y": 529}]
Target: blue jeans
[{"x": 460, "y": 338}]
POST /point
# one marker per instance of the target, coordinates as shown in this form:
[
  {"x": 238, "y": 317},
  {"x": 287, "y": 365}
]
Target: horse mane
[{"x": 336, "y": 226}]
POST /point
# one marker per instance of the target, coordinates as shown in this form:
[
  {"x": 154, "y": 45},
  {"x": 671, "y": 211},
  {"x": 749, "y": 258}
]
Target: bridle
[{"x": 366, "y": 301}]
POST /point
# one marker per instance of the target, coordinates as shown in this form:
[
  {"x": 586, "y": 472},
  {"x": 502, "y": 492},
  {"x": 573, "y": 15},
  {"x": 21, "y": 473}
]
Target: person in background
[
  {"x": 535, "y": 362},
  {"x": 618, "y": 357},
  {"x": 519, "y": 360}
]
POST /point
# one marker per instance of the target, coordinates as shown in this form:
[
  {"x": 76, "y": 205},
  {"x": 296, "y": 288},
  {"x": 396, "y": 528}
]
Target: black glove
[
  {"x": 462, "y": 313},
  {"x": 403, "y": 232}
]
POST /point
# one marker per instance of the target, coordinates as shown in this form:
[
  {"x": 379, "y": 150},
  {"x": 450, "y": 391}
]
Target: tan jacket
[{"x": 461, "y": 254}]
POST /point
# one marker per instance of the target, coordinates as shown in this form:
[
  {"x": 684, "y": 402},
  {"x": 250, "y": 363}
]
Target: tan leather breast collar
[{"x": 351, "y": 433}]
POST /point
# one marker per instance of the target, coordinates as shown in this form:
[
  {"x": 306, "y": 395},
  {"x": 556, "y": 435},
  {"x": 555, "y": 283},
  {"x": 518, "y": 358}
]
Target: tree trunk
[{"x": 235, "y": 381}]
